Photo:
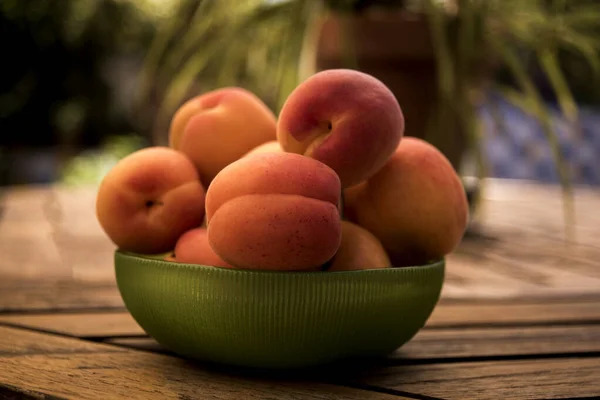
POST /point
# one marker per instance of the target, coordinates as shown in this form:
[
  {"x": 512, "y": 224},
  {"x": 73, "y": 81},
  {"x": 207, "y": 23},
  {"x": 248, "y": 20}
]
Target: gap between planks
[
  {"x": 445, "y": 316},
  {"x": 452, "y": 346},
  {"x": 40, "y": 363},
  {"x": 565, "y": 377},
  {"x": 449, "y": 346},
  {"x": 519, "y": 379}
]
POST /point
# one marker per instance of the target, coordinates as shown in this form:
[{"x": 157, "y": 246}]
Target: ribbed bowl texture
[{"x": 272, "y": 319}]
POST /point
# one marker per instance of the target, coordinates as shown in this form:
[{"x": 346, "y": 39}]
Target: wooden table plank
[
  {"x": 44, "y": 296},
  {"x": 121, "y": 323},
  {"x": 524, "y": 252},
  {"x": 37, "y": 295},
  {"x": 518, "y": 264},
  {"x": 139, "y": 375},
  {"x": 568, "y": 378},
  {"x": 455, "y": 344},
  {"x": 14, "y": 342},
  {"x": 534, "y": 211},
  {"x": 151, "y": 376},
  {"x": 501, "y": 342},
  {"x": 52, "y": 231},
  {"x": 503, "y": 314},
  {"x": 139, "y": 343},
  {"x": 83, "y": 325}
]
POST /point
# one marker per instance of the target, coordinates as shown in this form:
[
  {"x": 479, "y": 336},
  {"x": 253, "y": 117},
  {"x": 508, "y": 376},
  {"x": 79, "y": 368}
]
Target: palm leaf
[
  {"x": 178, "y": 88},
  {"x": 156, "y": 50},
  {"x": 291, "y": 54},
  {"x": 445, "y": 116},
  {"x": 559, "y": 6},
  {"x": 445, "y": 68},
  {"x": 308, "y": 52},
  {"x": 582, "y": 16},
  {"x": 581, "y": 44},
  {"x": 549, "y": 63},
  {"x": 466, "y": 55},
  {"x": 531, "y": 101},
  {"x": 201, "y": 22}
]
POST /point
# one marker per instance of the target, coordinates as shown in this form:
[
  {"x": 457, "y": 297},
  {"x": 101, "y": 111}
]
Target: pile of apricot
[{"x": 332, "y": 183}]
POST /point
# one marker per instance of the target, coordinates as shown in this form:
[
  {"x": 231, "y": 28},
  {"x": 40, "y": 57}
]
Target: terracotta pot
[{"x": 396, "y": 48}]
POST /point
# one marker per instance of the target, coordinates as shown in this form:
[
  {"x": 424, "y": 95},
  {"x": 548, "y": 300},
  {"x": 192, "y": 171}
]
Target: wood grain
[
  {"x": 500, "y": 342},
  {"x": 14, "y": 342},
  {"x": 536, "y": 210},
  {"x": 524, "y": 251},
  {"x": 519, "y": 264},
  {"x": 52, "y": 231},
  {"x": 503, "y": 314},
  {"x": 525, "y": 379},
  {"x": 452, "y": 344},
  {"x": 151, "y": 376},
  {"x": 54, "y": 253},
  {"x": 83, "y": 325},
  {"x": 445, "y": 316},
  {"x": 139, "y": 343},
  {"x": 139, "y": 375},
  {"x": 45, "y": 295}
]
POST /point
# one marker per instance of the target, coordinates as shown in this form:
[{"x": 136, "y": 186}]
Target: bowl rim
[{"x": 153, "y": 259}]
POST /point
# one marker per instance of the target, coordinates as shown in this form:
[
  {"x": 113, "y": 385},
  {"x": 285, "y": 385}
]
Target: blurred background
[{"x": 505, "y": 88}]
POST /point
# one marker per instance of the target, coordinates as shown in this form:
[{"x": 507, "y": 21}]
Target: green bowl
[{"x": 272, "y": 319}]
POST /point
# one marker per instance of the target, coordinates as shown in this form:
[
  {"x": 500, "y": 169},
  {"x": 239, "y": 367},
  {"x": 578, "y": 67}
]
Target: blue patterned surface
[{"x": 521, "y": 151}]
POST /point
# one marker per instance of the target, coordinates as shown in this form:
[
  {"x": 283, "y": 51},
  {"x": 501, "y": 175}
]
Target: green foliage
[
  {"x": 210, "y": 44},
  {"x": 89, "y": 168},
  {"x": 54, "y": 89},
  {"x": 260, "y": 44},
  {"x": 502, "y": 29},
  {"x": 361, "y": 5}
]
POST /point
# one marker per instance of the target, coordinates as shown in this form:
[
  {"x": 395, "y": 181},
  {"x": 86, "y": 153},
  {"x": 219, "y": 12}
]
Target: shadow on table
[{"x": 352, "y": 368}]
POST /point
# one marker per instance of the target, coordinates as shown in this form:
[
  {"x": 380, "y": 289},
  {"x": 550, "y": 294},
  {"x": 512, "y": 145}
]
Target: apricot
[
  {"x": 193, "y": 248},
  {"x": 274, "y": 211},
  {"x": 359, "y": 249},
  {"x": 415, "y": 205},
  {"x": 269, "y": 147},
  {"x": 346, "y": 119},
  {"x": 149, "y": 199},
  {"x": 218, "y": 127}
]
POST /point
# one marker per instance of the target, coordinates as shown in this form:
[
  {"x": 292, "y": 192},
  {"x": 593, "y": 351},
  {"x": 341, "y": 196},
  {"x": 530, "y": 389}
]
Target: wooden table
[{"x": 519, "y": 316}]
